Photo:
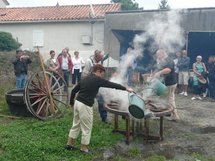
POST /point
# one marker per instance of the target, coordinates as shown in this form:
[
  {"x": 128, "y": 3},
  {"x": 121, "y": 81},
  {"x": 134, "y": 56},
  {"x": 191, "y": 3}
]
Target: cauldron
[
  {"x": 136, "y": 106},
  {"x": 16, "y": 103}
]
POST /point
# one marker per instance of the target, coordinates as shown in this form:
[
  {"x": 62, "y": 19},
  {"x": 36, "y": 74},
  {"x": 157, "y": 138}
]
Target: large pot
[
  {"x": 16, "y": 103},
  {"x": 136, "y": 106}
]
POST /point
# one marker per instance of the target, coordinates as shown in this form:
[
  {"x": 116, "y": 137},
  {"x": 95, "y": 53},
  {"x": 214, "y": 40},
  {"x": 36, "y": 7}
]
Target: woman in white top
[{"x": 77, "y": 62}]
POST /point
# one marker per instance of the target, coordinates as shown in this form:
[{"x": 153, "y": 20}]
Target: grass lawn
[{"x": 29, "y": 139}]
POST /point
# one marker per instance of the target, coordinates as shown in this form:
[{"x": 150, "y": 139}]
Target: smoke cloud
[{"x": 165, "y": 31}]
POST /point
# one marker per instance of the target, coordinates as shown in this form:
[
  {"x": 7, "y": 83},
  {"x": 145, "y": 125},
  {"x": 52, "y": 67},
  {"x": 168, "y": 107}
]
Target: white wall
[{"x": 57, "y": 36}]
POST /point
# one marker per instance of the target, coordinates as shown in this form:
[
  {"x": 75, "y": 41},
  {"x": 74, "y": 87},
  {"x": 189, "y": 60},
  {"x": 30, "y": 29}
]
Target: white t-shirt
[
  {"x": 77, "y": 63},
  {"x": 176, "y": 63},
  {"x": 65, "y": 63}
]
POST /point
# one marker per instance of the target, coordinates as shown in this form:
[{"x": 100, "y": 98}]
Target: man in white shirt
[{"x": 65, "y": 65}]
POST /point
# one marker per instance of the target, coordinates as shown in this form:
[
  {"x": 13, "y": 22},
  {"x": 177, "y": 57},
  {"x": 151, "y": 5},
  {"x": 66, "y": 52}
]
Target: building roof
[{"x": 57, "y": 13}]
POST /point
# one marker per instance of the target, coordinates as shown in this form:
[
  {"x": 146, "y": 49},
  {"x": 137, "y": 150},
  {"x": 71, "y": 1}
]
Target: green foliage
[
  {"x": 128, "y": 4},
  {"x": 7, "y": 42},
  {"x": 164, "y": 5}
]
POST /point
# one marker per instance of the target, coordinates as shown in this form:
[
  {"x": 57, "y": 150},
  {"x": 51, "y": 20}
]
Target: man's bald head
[
  {"x": 161, "y": 54},
  {"x": 98, "y": 55}
]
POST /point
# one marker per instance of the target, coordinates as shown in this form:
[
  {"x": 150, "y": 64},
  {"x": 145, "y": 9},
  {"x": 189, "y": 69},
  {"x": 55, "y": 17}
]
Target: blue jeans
[
  {"x": 66, "y": 78},
  {"x": 130, "y": 73},
  {"x": 102, "y": 111},
  {"x": 20, "y": 81},
  {"x": 76, "y": 75}
]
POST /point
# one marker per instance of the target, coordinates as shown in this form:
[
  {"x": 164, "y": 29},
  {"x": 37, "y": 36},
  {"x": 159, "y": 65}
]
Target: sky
[{"x": 147, "y": 4}]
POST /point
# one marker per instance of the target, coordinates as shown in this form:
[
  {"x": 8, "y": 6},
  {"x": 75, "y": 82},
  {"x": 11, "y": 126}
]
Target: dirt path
[{"x": 193, "y": 134}]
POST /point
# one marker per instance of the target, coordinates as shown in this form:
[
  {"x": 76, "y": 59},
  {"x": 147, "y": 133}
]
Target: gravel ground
[{"x": 193, "y": 134}]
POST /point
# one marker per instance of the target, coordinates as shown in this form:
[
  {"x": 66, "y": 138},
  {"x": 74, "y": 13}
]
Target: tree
[
  {"x": 163, "y": 5},
  {"x": 128, "y": 4},
  {"x": 7, "y": 42}
]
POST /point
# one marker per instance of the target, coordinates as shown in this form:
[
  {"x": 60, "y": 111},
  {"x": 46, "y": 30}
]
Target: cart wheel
[{"x": 37, "y": 98}]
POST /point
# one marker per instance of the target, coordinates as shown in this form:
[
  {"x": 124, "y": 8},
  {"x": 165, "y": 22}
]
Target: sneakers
[
  {"x": 182, "y": 93},
  {"x": 204, "y": 95},
  {"x": 199, "y": 98},
  {"x": 87, "y": 151},
  {"x": 193, "y": 98}
]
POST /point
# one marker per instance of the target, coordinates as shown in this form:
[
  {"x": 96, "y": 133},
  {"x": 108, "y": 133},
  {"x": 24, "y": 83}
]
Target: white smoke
[{"x": 166, "y": 32}]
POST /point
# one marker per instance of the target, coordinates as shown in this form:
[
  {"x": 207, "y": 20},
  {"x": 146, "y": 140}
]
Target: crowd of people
[
  {"x": 200, "y": 78},
  {"x": 180, "y": 76},
  {"x": 197, "y": 79},
  {"x": 87, "y": 79}
]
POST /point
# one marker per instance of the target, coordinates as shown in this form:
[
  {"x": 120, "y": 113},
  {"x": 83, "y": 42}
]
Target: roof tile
[{"x": 53, "y": 13}]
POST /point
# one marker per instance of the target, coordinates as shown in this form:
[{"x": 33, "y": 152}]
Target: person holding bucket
[
  {"x": 166, "y": 70},
  {"x": 83, "y": 106}
]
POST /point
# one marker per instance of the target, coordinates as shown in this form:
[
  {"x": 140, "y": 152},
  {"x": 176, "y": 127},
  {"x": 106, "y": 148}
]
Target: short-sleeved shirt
[
  {"x": 52, "y": 63},
  {"x": 169, "y": 78}
]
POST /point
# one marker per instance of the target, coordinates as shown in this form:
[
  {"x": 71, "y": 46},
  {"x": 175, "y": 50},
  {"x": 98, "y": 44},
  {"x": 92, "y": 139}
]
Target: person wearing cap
[
  {"x": 97, "y": 58},
  {"x": 83, "y": 105},
  {"x": 21, "y": 63},
  {"x": 199, "y": 70}
]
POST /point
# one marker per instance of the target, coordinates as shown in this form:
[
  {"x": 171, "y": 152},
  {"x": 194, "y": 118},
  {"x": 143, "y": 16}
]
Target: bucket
[
  {"x": 136, "y": 106},
  {"x": 147, "y": 92},
  {"x": 158, "y": 86}
]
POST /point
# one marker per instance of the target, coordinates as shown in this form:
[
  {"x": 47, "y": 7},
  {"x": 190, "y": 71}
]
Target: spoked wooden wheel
[{"x": 38, "y": 99}]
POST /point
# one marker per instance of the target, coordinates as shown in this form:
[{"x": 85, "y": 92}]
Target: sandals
[
  {"x": 86, "y": 151},
  {"x": 70, "y": 147}
]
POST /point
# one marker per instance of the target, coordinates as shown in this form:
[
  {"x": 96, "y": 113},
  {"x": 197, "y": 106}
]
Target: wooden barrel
[{"x": 16, "y": 103}]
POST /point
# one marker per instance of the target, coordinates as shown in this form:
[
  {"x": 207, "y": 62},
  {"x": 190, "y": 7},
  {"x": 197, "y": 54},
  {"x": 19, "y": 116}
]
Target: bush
[{"x": 7, "y": 42}]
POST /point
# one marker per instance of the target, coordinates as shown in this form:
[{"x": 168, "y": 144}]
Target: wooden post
[
  {"x": 116, "y": 120},
  {"x": 51, "y": 107},
  {"x": 161, "y": 128}
]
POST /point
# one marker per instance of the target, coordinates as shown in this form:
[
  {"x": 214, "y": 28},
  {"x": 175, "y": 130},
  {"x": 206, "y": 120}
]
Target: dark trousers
[
  {"x": 199, "y": 89},
  {"x": 66, "y": 78},
  {"x": 76, "y": 76},
  {"x": 211, "y": 87},
  {"x": 102, "y": 111},
  {"x": 130, "y": 73}
]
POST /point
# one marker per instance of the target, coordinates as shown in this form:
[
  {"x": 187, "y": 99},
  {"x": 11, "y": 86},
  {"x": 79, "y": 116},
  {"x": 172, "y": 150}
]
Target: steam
[{"x": 165, "y": 31}]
